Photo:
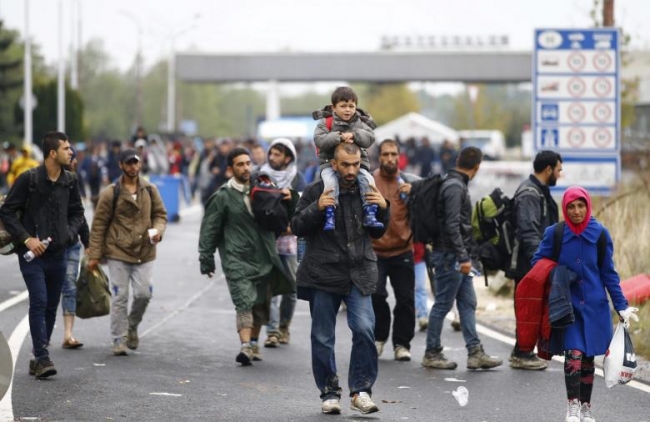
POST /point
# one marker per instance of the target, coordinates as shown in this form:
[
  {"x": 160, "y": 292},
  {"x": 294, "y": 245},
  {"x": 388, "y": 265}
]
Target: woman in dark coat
[{"x": 591, "y": 332}]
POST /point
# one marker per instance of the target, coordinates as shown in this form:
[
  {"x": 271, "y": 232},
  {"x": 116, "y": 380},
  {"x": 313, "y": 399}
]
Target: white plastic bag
[{"x": 620, "y": 360}]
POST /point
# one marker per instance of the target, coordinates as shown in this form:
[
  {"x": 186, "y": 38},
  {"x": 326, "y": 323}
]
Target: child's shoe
[
  {"x": 370, "y": 216},
  {"x": 329, "y": 219}
]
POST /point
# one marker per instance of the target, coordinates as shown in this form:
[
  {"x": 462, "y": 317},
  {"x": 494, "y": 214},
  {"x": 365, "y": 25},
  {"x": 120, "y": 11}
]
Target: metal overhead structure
[{"x": 470, "y": 67}]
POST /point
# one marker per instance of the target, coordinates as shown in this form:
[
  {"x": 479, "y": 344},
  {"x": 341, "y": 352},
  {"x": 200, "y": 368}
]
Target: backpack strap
[
  {"x": 33, "y": 183},
  {"x": 329, "y": 122},
  {"x": 558, "y": 234}
]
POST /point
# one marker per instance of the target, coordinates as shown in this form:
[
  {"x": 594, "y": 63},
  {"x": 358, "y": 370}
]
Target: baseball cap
[
  {"x": 128, "y": 155},
  {"x": 140, "y": 143}
]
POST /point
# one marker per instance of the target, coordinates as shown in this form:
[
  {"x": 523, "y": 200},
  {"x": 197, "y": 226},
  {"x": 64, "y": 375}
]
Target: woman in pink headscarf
[{"x": 591, "y": 332}]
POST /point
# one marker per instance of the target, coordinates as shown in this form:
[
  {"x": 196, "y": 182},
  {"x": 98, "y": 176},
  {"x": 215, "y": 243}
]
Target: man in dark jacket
[
  {"x": 340, "y": 265},
  {"x": 451, "y": 258},
  {"x": 52, "y": 210},
  {"x": 534, "y": 210}
]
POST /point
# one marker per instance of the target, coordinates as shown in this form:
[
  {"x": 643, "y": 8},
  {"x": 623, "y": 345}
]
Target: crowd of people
[{"x": 349, "y": 236}]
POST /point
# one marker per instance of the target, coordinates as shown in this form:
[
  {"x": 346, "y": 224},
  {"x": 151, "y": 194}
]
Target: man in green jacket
[{"x": 248, "y": 255}]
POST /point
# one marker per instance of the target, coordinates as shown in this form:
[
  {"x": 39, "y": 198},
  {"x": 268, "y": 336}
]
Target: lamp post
[
  {"x": 171, "y": 76},
  {"x": 27, "y": 82},
  {"x": 60, "y": 109},
  {"x": 138, "y": 67}
]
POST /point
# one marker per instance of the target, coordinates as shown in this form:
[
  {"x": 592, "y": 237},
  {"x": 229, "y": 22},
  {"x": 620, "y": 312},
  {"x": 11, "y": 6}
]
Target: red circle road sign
[
  {"x": 602, "y": 62},
  {"x": 602, "y": 137},
  {"x": 576, "y": 61},
  {"x": 602, "y": 87},
  {"x": 602, "y": 112},
  {"x": 576, "y": 87},
  {"x": 576, "y": 112},
  {"x": 576, "y": 137}
]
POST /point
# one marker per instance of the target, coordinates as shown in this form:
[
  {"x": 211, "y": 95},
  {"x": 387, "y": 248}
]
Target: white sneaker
[
  {"x": 364, "y": 404},
  {"x": 380, "y": 347},
  {"x": 331, "y": 406},
  {"x": 573, "y": 411},
  {"x": 585, "y": 413},
  {"x": 402, "y": 354}
]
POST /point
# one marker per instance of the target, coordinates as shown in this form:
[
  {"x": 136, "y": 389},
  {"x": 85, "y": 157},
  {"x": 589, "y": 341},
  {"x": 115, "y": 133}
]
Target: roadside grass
[{"x": 626, "y": 214}]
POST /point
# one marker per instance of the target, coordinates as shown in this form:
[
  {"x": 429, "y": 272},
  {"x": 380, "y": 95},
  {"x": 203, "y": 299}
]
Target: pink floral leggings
[{"x": 578, "y": 375}]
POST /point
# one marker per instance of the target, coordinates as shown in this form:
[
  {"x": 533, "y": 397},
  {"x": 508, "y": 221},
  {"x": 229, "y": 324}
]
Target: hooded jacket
[
  {"x": 326, "y": 140},
  {"x": 289, "y": 177}
]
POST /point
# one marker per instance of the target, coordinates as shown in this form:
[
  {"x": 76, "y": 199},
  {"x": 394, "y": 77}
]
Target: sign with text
[
  {"x": 576, "y": 102},
  {"x": 596, "y": 174}
]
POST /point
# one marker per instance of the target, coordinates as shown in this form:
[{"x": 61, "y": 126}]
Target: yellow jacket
[{"x": 20, "y": 165}]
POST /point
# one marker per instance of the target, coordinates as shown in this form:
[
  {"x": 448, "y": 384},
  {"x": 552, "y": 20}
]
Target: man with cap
[{"x": 129, "y": 221}]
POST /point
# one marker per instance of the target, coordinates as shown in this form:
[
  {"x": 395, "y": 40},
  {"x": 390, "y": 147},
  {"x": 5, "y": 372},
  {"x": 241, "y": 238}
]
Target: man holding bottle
[{"x": 48, "y": 202}]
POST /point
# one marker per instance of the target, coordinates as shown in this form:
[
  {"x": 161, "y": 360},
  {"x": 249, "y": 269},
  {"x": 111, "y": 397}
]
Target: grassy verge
[{"x": 627, "y": 216}]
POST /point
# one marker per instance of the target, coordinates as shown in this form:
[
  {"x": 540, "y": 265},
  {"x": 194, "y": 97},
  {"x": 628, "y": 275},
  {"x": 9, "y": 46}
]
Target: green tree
[
  {"x": 45, "y": 114},
  {"x": 386, "y": 102},
  {"x": 10, "y": 83}
]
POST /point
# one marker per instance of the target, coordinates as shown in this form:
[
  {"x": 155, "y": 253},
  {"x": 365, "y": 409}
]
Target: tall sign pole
[
  {"x": 27, "y": 83},
  {"x": 60, "y": 109}
]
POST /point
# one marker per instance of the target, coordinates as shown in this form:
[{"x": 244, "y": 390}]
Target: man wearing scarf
[
  {"x": 249, "y": 259},
  {"x": 591, "y": 332},
  {"x": 281, "y": 165}
]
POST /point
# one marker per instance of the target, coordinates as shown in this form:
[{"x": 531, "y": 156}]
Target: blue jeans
[
  {"x": 44, "y": 278},
  {"x": 69, "y": 292},
  {"x": 282, "y": 306},
  {"x": 421, "y": 294},
  {"x": 324, "y": 307},
  {"x": 331, "y": 181},
  {"x": 451, "y": 285}
]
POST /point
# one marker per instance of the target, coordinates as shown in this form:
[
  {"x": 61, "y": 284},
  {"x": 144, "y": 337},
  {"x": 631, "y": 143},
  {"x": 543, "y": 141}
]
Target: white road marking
[
  {"x": 14, "y": 300},
  {"x": 16, "y": 341}
]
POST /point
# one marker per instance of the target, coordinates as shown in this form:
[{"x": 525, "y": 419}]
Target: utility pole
[
  {"x": 608, "y": 13},
  {"x": 27, "y": 82},
  {"x": 60, "y": 120},
  {"x": 138, "y": 68}
]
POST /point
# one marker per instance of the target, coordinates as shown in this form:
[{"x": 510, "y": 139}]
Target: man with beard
[
  {"x": 281, "y": 165},
  {"x": 130, "y": 220},
  {"x": 534, "y": 210},
  {"x": 44, "y": 203},
  {"x": 394, "y": 259},
  {"x": 340, "y": 266},
  {"x": 249, "y": 260}
]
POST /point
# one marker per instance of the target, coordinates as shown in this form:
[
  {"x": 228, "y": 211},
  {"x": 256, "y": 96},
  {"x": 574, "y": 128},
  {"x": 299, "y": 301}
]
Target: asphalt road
[{"x": 185, "y": 367}]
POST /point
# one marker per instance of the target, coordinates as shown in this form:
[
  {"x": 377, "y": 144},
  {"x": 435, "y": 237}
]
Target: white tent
[{"x": 416, "y": 126}]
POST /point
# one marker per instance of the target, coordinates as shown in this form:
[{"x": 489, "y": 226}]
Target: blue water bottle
[
  {"x": 402, "y": 195},
  {"x": 302, "y": 246}
]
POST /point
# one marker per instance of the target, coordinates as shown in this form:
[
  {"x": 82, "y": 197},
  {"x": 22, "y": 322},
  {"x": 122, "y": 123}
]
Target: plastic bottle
[
  {"x": 302, "y": 246},
  {"x": 473, "y": 272},
  {"x": 29, "y": 255},
  {"x": 402, "y": 195}
]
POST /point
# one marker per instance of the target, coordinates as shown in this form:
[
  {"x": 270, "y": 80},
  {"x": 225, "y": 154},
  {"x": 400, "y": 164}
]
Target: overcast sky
[{"x": 300, "y": 25}]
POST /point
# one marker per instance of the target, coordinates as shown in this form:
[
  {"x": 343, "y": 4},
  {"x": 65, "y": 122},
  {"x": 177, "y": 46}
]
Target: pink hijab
[{"x": 571, "y": 194}]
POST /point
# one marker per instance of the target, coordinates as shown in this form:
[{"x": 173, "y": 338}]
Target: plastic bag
[
  {"x": 93, "y": 294},
  {"x": 620, "y": 360}
]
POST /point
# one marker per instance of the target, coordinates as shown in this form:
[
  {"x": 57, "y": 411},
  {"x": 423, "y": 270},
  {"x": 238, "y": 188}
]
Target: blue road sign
[{"x": 576, "y": 96}]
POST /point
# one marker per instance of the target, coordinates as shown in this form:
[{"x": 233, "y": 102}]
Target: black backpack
[
  {"x": 271, "y": 212},
  {"x": 423, "y": 209}
]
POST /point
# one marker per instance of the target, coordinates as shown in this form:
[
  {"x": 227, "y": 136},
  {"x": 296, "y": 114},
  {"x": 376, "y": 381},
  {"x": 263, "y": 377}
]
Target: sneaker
[
  {"x": 285, "y": 336},
  {"x": 331, "y": 406},
  {"x": 271, "y": 341},
  {"x": 119, "y": 348},
  {"x": 437, "y": 360},
  {"x": 380, "y": 347},
  {"x": 455, "y": 325},
  {"x": 478, "y": 359},
  {"x": 44, "y": 368},
  {"x": 256, "y": 353},
  {"x": 573, "y": 411},
  {"x": 402, "y": 354},
  {"x": 363, "y": 403},
  {"x": 423, "y": 323},
  {"x": 132, "y": 339},
  {"x": 245, "y": 355},
  {"x": 527, "y": 362},
  {"x": 585, "y": 413},
  {"x": 32, "y": 366}
]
